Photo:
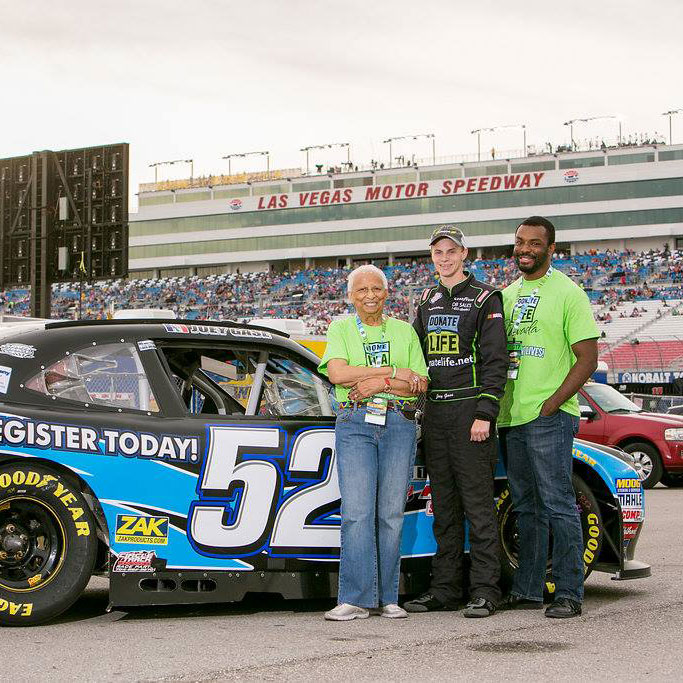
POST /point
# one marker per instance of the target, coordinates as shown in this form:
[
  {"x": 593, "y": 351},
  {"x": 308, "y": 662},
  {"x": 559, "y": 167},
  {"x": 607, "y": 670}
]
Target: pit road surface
[{"x": 629, "y": 630}]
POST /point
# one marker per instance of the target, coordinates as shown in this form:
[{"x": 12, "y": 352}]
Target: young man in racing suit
[{"x": 460, "y": 325}]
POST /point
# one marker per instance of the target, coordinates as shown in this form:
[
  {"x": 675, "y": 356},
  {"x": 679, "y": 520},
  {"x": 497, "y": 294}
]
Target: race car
[{"x": 194, "y": 462}]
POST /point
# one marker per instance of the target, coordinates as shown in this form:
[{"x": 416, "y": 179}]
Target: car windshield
[{"x": 610, "y": 400}]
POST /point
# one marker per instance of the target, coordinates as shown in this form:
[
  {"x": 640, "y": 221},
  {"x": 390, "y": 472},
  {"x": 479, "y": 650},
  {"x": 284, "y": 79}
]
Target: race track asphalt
[{"x": 629, "y": 630}]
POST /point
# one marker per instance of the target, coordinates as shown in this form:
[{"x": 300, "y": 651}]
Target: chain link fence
[{"x": 655, "y": 404}]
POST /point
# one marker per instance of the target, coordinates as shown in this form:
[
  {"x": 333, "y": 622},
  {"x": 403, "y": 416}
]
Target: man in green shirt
[{"x": 552, "y": 351}]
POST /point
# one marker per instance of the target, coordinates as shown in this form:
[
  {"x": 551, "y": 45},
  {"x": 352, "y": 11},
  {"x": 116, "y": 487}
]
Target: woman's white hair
[{"x": 367, "y": 268}]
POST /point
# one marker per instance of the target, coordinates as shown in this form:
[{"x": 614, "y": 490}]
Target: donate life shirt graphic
[{"x": 557, "y": 314}]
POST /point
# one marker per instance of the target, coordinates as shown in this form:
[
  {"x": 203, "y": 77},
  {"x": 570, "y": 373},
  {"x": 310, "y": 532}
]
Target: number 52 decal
[{"x": 255, "y": 494}]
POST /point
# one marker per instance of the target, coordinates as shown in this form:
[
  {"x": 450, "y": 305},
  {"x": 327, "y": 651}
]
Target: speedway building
[{"x": 617, "y": 198}]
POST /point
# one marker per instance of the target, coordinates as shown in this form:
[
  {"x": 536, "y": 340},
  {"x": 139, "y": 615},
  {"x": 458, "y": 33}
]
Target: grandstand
[
  {"x": 641, "y": 325},
  {"x": 599, "y": 199}
]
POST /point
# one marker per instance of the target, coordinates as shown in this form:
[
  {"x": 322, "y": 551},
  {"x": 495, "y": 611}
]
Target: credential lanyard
[
  {"x": 376, "y": 357},
  {"x": 527, "y": 300}
]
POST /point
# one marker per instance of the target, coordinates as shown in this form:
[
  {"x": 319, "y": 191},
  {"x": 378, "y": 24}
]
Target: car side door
[{"x": 266, "y": 484}]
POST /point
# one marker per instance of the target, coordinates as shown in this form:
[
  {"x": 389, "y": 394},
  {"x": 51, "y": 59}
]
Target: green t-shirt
[
  {"x": 401, "y": 348},
  {"x": 557, "y": 317}
]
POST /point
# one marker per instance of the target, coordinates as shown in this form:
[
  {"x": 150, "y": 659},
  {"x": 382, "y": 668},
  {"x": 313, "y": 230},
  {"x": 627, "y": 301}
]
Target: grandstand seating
[
  {"x": 645, "y": 355},
  {"x": 616, "y": 283}
]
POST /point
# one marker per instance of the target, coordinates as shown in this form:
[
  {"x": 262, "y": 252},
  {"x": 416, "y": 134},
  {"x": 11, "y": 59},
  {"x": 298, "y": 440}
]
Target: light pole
[
  {"x": 670, "y": 114},
  {"x": 479, "y": 131},
  {"x": 241, "y": 155},
  {"x": 571, "y": 123},
  {"x": 328, "y": 146},
  {"x": 156, "y": 165},
  {"x": 428, "y": 136}
]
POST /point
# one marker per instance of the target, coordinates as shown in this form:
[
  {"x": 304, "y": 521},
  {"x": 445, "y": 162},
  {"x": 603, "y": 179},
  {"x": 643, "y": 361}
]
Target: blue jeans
[
  {"x": 539, "y": 468},
  {"x": 374, "y": 464}
]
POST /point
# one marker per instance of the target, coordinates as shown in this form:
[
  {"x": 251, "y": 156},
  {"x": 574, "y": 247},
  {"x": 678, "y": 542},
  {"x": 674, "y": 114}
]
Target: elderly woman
[{"x": 378, "y": 368}]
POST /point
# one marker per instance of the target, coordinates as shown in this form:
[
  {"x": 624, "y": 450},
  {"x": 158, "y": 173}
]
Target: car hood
[
  {"x": 610, "y": 450},
  {"x": 663, "y": 419}
]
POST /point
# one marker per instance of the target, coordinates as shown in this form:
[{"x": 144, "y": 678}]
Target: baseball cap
[{"x": 451, "y": 232}]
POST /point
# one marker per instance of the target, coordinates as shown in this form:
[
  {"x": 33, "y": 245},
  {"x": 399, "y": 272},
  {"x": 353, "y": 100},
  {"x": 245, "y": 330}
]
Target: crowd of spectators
[{"x": 316, "y": 296}]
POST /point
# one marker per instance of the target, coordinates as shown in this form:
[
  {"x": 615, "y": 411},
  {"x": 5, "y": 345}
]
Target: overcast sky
[{"x": 205, "y": 78}]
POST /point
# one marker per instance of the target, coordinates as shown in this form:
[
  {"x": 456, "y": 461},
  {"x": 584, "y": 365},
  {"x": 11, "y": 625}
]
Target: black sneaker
[
  {"x": 479, "y": 607},
  {"x": 515, "y": 602},
  {"x": 427, "y": 603},
  {"x": 563, "y": 608}
]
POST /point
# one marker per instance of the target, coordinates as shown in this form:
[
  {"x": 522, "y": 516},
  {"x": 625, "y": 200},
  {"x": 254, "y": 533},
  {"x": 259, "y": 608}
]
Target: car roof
[{"x": 78, "y": 332}]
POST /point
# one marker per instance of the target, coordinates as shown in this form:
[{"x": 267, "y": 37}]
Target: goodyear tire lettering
[{"x": 39, "y": 592}]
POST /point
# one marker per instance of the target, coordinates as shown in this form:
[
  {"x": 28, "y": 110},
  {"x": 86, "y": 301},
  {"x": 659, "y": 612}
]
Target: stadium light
[
  {"x": 571, "y": 123},
  {"x": 156, "y": 165},
  {"x": 670, "y": 114},
  {"x": 429, "y": 136},
  {"x": 479, "y": 131},
  {"x": 328, "y": 146},
  {"x": 241, "y": 155}
]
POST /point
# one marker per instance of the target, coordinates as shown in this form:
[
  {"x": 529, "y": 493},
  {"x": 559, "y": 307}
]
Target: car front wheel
[
  {"x": 647, "y": 461},
  {"x": 48, "y": 544},
  {"x": 591, "y": 526}
]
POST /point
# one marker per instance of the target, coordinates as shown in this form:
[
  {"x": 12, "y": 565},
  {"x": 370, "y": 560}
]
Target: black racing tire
[
  {"x": 647, "y": 456},
  {"x": 591, "y": 524},
  {"x": 48, "y": 544}
]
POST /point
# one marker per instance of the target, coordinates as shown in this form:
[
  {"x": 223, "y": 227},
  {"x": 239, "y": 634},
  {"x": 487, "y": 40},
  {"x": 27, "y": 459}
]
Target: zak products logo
[
  {"x": 141, "y": 530},
  {"x": 571, "y": 176},
  {"x": 236, "y": 204}
]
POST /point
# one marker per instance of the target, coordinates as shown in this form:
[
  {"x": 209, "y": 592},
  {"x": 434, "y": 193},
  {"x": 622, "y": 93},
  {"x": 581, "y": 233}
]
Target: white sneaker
[
  {"x": 346, "y": 612},
  {"x": 393, "y": 612}
]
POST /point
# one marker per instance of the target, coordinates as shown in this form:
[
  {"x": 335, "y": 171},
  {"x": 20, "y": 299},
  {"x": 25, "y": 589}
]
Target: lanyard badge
[
  {"x": 514, "y": 352},
  {"x": 376, "y": 410},
  {"x": 374, "y": 357},
  {"x": 377, "y": 406}
]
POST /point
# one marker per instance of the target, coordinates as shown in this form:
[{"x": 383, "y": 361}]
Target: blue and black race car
[{"x": 194, "y": 462}]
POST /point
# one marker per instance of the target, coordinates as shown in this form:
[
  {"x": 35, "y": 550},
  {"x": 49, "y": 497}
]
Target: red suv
[{"x": 655, "y": 440}]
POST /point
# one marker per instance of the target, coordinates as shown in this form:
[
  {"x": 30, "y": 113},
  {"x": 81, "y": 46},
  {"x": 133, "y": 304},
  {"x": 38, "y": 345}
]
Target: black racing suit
[{"x": 463, "y": 338}]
